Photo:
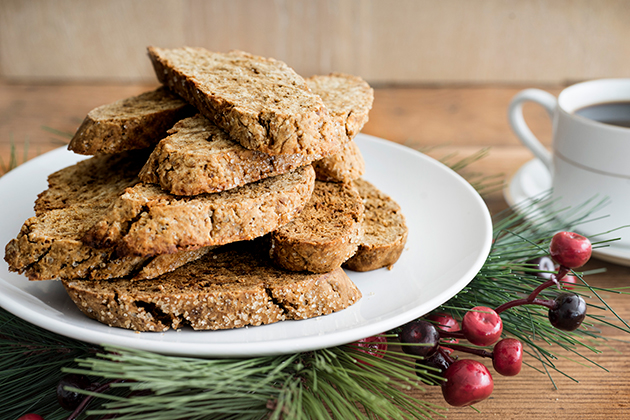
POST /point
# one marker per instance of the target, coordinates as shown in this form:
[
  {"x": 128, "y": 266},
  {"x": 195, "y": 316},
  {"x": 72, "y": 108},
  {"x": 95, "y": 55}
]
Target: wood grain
[
  {"x": 385, "y": 41},
  {"x": 453, "y": 119}
]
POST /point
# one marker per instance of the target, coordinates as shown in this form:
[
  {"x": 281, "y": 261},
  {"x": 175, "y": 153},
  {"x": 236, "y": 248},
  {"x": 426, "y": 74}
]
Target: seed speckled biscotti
[
  {"x": 344, "y": 166},
  {"x": 132, "y": 123},
  {"x": 348, "y": 98},
  {"x": 147, "y": 221},
  {"x": 325, "y": 234},
  {"x": 384, "y": 230},
  {"x": 93, "y": 180},
  {"x": 230, "y": 287},
  {"x": 198, "y": 157},
  {"x": 261, "y": 102},
  {"x": 49, "y": 245}
]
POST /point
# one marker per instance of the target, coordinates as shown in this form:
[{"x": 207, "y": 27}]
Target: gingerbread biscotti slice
[
  {"x": 384, "y": 230},
  {"x": 96, "y": 179},
  {"x": 198, "y": 157},
  {"x": 348, "y": 98},
  {"x": 344, "y": 166},
  {"x": 49, "y": 245},
  {"x": 325, "y": 234},
  {"x": 132, "y": 123},
  {"x": 228, "y": 288},
  {"x": 261, "y": 102},
  {"x": 146, "y": 220}
]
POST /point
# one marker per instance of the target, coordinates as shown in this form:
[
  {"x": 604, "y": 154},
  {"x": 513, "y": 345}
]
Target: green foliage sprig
[{"x": 340, "y": 382}]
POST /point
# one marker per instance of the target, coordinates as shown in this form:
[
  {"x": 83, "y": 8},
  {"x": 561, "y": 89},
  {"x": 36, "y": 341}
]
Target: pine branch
[{"x": 340, "y": 382}]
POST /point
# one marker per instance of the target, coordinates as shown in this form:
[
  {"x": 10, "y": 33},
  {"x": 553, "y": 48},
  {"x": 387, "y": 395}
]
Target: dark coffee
[{"x": 613, "y": 113}]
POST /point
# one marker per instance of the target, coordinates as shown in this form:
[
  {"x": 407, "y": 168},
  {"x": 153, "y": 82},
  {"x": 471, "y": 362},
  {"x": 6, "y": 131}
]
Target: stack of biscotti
[{"x": 157, "y": 230}]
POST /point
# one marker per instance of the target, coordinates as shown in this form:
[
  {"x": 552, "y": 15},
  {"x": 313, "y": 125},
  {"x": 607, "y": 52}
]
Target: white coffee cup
[{"x": 589, "y": 159}]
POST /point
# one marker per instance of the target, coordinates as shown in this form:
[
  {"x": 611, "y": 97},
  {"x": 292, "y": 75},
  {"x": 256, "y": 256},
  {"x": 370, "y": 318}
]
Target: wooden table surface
[{"x": 439, "y": 121}]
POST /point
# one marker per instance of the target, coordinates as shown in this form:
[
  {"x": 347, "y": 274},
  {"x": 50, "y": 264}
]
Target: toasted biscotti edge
[
  {"x": 324, "y": 235},
  {"x": 220, "y": 291},
  {"x": 349, "y": 99},
  {"x": 384, "y": 231},
  {"x": 147, "y": 221},
  {"x": 344, "y": 166},
  {"x": 272, "y": 130},
  {"x": 198, "y": 157},
  {"x": 156, "y": 111}
]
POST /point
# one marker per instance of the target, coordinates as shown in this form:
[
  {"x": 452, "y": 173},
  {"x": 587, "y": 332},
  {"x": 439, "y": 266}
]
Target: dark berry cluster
[{"x": 467, "y": 381}]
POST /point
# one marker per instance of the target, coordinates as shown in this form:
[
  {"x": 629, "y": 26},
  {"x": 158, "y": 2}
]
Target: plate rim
[{"x": 134, "y": 340}]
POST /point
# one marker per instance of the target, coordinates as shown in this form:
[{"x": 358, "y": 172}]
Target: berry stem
[
  {"x": 543, "y": 302},
  {"x": 446, "y": 355},
  {"x": 451, "y": 334},
  {"x": 466, "y": 349},
  {"x": 562, "y": 271},
  {"x": 555, "y": 279}
]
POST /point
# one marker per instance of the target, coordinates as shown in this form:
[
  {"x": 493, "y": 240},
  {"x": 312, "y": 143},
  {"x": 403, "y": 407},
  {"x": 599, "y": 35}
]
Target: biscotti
[
  {"x": 261, "y": 102},
  {"x": 348, "y": 98},
  {"x": 227, "y": 288},
  {"x": 344, "y": 166},
  {"x": 384, "y": 230},
  {"x": 325, "y": 234},
  {"x": 49, "y": 245},
  {"x": 95, "y": 180},
  {"x": 147, "y": 221},
  {"x": 198, "y": 157},
  {"x": 132, "y": 123}
]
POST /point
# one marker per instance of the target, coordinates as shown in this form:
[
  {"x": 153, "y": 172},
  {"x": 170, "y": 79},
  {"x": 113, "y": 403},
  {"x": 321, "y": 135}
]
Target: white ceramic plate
[
  {"x": 450, "y": 234},
  {"x": 533, "y": 180}
]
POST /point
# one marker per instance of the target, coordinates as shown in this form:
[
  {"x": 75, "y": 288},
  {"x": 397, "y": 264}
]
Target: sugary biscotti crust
[
  {"x": 261, "y": 102},
  {"x": 132, "y": 123},
  {"x": 344, "y": 166},
  {"x": 49, "y": 245},
  {"x": 384, "y": 231},
  {"x": 325, "y": 234},
  {"x": 198, "y": 157},
  {"x": 93, "y": 180},
  {"x": 147, "y": 221},
  {"x": 224, "y": 289},
  {"x": 348, "y": 98}
]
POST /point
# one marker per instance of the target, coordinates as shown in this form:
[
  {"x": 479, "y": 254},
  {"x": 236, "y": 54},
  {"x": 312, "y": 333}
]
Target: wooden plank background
[{"x": 385, "y": 41}]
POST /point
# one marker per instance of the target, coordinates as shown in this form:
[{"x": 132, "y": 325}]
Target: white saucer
[{"x": 533, "y": 181}]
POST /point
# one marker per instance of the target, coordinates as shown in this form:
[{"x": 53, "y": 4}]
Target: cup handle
[{"x": 519, "y": 126}]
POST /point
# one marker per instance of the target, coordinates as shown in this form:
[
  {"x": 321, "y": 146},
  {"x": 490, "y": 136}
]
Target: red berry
[
  {"x": 482, "y": 326},
  {"x": 507, "y": 357},
  {"x": 568, "y": 280},
  {"x": 467, "y": 382},
  {"x": 31, "y": 416},
  {"x": 419, "y": 332},
  {"x": 374, "y": 346},
  {"x": 445, "y": 322},
  {"x": 570, "y": 249}
]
